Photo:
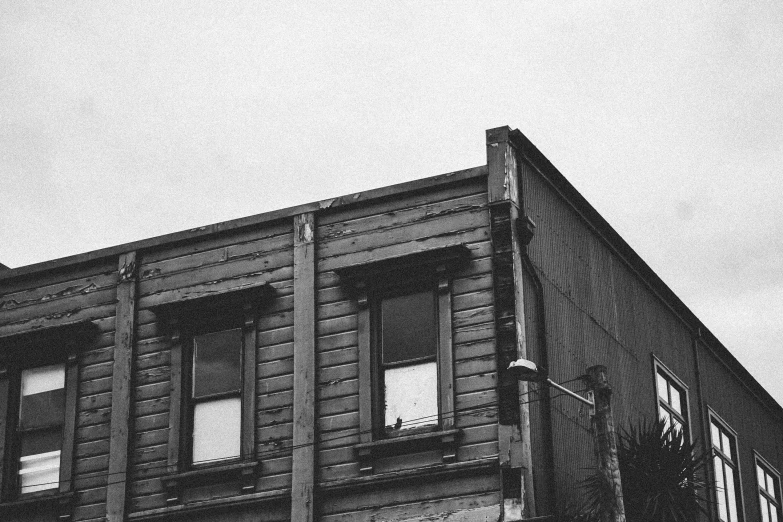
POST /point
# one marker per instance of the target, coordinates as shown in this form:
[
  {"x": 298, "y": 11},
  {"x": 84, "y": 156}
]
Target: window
[
  {"x": 406, "y": 374},
  {"x": 216, "y": 398},
  {"x": 725, "y": 464},
  {"x": 672, "y": 399},
  {"x": 407, "y": 369},
  {"x": 40, "y": 427},
  {"x": 212, "y": 398},
  {"x": 768, "y": 482},
  {"x": 38, "y": 395}
]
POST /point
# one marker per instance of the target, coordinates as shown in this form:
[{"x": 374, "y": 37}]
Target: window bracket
[
  {"x": 446, "y": 440},
  {"x": 246, "y": 472}
]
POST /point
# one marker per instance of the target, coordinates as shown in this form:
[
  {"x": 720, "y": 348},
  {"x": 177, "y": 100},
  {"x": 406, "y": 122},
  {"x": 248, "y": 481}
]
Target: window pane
[
  {"x": 217, "y": 429},
  {"x": 408, "y": 327},
  {"x": 662, "y": 386},
  {"x": 676, "y": 400},
  {"x": 217, "y": 363},
  {"x": 412, "y": 395},
  {"x": 760, "y": 477},
  {"x": 764, "y": 509},
  {"x": 39, "y": 472},
  {"x": 715, "y": 435},
  {"x": 727, "y": 446},
  {"x": 731, "y": 493},
  {"x": 720, "y": 488},
  {"x": 773, "y": 514},
  {"x": 665, "y": 416},
  {"x": 677, "y": 425},
  {"x": 41, "y": 441},
  {"x": 46, "y": 378},
  {"x": 43, "y": 397}
]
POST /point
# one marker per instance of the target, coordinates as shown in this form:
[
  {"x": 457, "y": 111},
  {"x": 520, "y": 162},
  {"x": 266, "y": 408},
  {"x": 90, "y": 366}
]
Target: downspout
[
  {"x": 703, "y": 420},
  {"x": 526, "y": 228}
]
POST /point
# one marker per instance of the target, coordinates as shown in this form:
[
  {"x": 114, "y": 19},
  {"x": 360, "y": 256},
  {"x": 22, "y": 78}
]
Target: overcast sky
[{"x": 121, "y": 122}]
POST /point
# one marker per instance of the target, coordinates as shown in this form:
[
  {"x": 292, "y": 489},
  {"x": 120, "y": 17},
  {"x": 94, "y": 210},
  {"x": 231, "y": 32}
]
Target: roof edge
[
  {"x": 236, "y": 224},
  {"x": 537, "y": 159}
]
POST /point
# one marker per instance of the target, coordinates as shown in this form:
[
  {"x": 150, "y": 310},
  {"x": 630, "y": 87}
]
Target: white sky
[{"x": 121, "y": 122}]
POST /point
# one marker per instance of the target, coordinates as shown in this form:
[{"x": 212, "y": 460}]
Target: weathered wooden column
[
  {"x": 303, "y": 474},
  {"x": 513, "y": 415},
  {"x": 121, "y": 388},
  {"x": 606, "y": 440}
]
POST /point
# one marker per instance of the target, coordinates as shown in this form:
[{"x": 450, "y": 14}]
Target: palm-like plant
[{"x": 661, "y": 474}]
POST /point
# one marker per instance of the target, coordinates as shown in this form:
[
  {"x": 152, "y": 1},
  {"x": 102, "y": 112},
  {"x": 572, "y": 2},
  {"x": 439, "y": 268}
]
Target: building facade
[{"x": 346, "y": 360}]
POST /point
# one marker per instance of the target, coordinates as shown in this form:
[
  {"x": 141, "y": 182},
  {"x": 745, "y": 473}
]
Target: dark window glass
[
  {"x": 41, "y": 441},
  {"x": 42, "y": 409},
  {"x": 408, "y": 327},
  {"x": 217, "y": 363}
]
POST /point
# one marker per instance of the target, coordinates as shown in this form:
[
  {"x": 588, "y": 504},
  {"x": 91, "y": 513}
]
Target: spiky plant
[{"x": 661, "y": 474}]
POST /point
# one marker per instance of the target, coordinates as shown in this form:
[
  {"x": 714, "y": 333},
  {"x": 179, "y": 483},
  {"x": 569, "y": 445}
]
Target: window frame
[
  {"x": 733, "y": 461},
  {"x": 378, "y": 294},
  {"x": 371, "y": 281},
  {"x": 189, "y": 363},
  {"x": 58, "y": 344},
  {"x": 186, "y": 319},
  {"x": 672, "y": 381},
  {"x": 769, "y": 469}
]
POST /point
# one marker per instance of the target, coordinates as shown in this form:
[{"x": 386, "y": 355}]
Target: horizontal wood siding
[
  {"x": 52, "y": 299},
  {"x": 453, "y": 215},
  {"x": 218, "y": 264}
]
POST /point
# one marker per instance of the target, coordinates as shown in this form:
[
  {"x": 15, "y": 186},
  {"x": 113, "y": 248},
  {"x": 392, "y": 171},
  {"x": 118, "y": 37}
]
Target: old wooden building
[{"x": 345, "y": 360}]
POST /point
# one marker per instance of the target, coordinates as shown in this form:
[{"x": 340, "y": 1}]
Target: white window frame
[{"x": 730, "y": 461}]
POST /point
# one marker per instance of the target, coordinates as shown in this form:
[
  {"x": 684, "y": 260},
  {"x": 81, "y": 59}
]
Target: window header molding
[
  {"x": 448, "y": 257},
  {"x": 764, "y": 462},
  {"x": 657, "y": 363},
  {"x": 187, "y": 307},
  {"x": 50, "y": 341}
]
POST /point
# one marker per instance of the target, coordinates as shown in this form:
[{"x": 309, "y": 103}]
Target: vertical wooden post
[
  {"x": 303, "y": 474},
  {"x": 4, "y": 443},
  {"x": 606, "y": 440},
  {"x": 365, "y": 378},
  {"x": 121, "y": 388},
  {"x": 248, "y": 438},
  {"x": 513, "y": 416}
]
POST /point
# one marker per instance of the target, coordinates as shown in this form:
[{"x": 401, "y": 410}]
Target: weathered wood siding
[
  {"x": 87, "y": 292},
  {"x": 210, "y": 266},
  {"x": 451, "y": 215}
]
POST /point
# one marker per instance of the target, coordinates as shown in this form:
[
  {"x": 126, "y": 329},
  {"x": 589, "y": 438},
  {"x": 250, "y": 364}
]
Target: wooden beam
[
  {"x": 4, "y": 443},
  {"x": 125, "y": 319},
  {"x": 513, "y": 417},
  {"x": 303, "y": 472}
]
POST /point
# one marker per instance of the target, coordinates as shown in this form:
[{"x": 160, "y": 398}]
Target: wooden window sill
[
  {"x": 35, "y": 501},
  {"x": 445, "y": 440},
  {"x": 244, "y": 471}
]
